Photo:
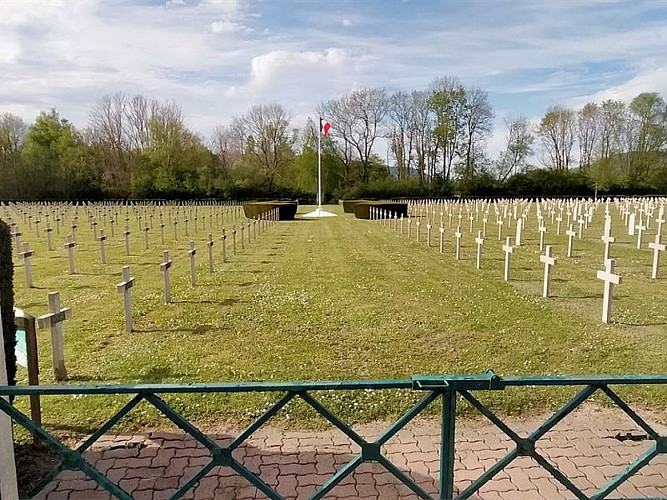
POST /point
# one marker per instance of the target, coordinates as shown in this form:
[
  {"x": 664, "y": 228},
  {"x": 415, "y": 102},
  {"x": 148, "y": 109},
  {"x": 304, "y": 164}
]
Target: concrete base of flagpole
[{"x": 319, "y": 213}]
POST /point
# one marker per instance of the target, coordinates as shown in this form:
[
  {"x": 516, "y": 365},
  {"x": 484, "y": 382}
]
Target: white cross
[
  {"x": 209, "y": 243},
  {"x": 607, "y": 238},
  {"x": 519, "y": 229},
  {"x": 458, "y": 235},
  {"x": 146, "y": 230},
  {"x": 640, "y": 232},
  {"x": 657, "y": 247},
  {"x": 542, "y": 229},
  {"x": 223, "y": 237},
  {"x": 570, "y": 238},
  {"x": 610, "y": 279},
  {"x": 26, "y": 254},
  {"x": 127, "y": 239},
  {"x": 125, "y": 287},
  {"x": 69, "y": 246},
  {"x": 164, "y": 267},
  {"x": 480, "y": 241},
  {"x": 549, "y": 261},
  {"x": 442, "y": 237},
  {"x": 192, "y": 252},
  {"x": 509, "y": 250},
  {"x": 54, "y": 320}
]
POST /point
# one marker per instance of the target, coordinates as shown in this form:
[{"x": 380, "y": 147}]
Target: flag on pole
[{"x": 325, "y": 126}]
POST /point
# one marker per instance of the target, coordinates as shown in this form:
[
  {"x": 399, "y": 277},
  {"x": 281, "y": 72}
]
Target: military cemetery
[{"x": 333, "y": 250}]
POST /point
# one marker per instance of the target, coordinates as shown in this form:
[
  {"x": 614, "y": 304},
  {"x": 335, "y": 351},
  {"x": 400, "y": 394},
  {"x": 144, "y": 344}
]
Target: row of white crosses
[
  {"x": 125, "y": 287},
  {"x": 581, "y": 212},
  {"x": 61, "y": 212}
]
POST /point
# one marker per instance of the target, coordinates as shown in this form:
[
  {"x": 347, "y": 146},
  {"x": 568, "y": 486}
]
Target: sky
[{"x": 217, "y": 58}]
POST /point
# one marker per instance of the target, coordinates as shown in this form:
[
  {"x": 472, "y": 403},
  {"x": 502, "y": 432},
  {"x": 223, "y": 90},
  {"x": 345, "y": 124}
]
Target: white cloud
[
  {"x": 269, "y": 67},
  {"x": 227, "y": 27},
  {"x": 219, "y": 57}
]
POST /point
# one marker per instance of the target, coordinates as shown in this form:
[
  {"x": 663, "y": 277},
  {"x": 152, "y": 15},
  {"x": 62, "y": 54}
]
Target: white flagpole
[
  {"x": 319, "y": 165},
  {"x": 318, "y": 213}
]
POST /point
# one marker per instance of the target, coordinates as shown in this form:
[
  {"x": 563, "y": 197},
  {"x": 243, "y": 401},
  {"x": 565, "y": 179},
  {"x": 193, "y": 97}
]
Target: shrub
[
  {"x": 286, "y": 209},
  {"x": 362, "y": 209},
  {"x": 7, "y": 300},
  {"x": 348, "y": 206}
]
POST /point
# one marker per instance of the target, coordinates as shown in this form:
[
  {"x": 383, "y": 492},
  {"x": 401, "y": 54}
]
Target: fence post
[{"x": 448, "y": 438}]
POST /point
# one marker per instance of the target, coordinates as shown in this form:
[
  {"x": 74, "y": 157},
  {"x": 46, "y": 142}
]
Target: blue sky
[{"x": 217, "y": 58}]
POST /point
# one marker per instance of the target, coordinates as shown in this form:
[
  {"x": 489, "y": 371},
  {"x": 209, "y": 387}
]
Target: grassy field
[{"x": 341, "y": 298}]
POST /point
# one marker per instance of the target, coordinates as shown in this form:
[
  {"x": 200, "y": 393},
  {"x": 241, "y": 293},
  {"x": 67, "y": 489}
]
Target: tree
[
  {"x": 649, "y": 125},
  {"x": 477, "y": 118},
  {"x": 356, "y": 121},
  {"x": 588, "y": 119},
  {"x": 557, "y": 132},
  {"x": 448, "y": 101},
  {"x": 267, "y": 129},
  {"x": 56, "y": 160},
  {"x": 12, "y": 132},
  {"x": 519, "y": 147}
]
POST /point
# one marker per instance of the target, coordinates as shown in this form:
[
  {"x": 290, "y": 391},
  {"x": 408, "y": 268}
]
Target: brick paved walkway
[{"x": 584, "y": 447}]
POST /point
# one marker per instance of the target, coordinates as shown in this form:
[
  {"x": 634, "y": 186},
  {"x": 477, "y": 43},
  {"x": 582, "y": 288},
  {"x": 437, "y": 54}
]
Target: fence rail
[{"x": 447, "y": 389}]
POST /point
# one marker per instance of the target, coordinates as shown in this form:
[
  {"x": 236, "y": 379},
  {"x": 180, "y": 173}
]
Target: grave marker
[
  {"x": 165, "y": 267},
  {"x": 631, "y": 224},
  {"x": 458, "y": 235},
  {"x": 54, "y": 321},
  {"x": 127, "y": 239},
  {"x": 125, "y": 287},
  {"x": 570, "y": 239},
  {"x": 210, "y": 251},
  {"x": 480, "y": 241},
  {"x": 608, "y": 239},
  {"x": 224, "y": 246},
  {"x": 193, "y": 273},
  {"x": 69, "y": 246},
  {"x": 519, "y": 230},
  {"x": 549, "y": 261},
  {"x": 442, "y": 238},
  {"x": 640, "y": 232},
  {"x": 509, "y": 250},
  {"x": 610, "y": 279},
  {"x": 26, "y": 255},
  {"x": 102, "y": 238},
  {"x": 48, "y": 230},
  {"x": 657, "y": 247}
]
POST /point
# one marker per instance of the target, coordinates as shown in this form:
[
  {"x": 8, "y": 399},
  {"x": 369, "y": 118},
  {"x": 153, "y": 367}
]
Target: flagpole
[
  {"x": 319, "y": 165},
  {"x": 318, "y": 212}
]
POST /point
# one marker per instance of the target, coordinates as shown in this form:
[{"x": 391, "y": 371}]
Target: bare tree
[
  {"x": 357, "y": 118},
  {"x": 107, "y": 126},
  {"x": 401, "y": 131},
  {"x": 477, "y": 125},
  {"x": 557, "y": 132},
  {"x": 519, "y": 146},
  {"x": 588, "y": 119},
  {"x": 447, "y": 101},
  {"x": 268, "y": 140}
]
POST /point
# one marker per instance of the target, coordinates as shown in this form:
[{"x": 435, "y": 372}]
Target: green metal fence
[{"x": 446, "y": 389}]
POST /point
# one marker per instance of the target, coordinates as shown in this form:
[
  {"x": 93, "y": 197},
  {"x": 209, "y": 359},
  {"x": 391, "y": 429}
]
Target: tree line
[{"x": 140, "y": 147}]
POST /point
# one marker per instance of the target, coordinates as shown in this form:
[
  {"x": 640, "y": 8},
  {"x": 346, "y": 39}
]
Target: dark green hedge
[
  {"x": 348, "y": 206},
  {"x": 286, "y": 209},
  {"x": 7, "y": 300},
  {"x": 362, "y": 209}
]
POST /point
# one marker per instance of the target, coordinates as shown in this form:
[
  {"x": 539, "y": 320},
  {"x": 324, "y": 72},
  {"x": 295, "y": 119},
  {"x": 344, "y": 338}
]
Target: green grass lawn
[{"x": 341, "y": 298}]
